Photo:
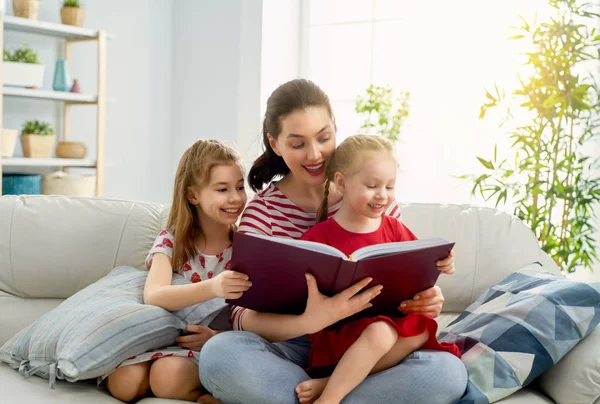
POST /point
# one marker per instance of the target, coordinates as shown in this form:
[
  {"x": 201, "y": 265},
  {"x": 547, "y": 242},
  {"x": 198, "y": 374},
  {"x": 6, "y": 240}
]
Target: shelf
[
  {"x": 49, "y": 28},
  {"x": 49, "y": 95},
  {"x": 51, "y": 162}
]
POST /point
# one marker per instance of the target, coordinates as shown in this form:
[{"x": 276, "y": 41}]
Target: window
[{"x": 444, "y": 53}]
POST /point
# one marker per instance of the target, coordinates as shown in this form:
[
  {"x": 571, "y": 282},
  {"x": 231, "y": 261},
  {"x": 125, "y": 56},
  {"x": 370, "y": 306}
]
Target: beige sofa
[{"x": 51, "y": 247}]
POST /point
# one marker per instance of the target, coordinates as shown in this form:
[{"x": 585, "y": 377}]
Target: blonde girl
[{"x": 363, "y": 169}]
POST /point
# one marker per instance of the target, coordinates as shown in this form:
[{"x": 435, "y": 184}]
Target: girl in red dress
[{"x": 363, "y": 169}]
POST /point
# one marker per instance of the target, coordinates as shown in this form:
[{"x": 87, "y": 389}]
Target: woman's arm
[
  {"x": 321, "y": 312},
  {"x": 158, "y": 290}
]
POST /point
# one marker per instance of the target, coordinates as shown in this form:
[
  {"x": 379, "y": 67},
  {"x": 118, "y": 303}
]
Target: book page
[
  {"x": 390, "y": 248},
  {"x": 307, "y": 245}
]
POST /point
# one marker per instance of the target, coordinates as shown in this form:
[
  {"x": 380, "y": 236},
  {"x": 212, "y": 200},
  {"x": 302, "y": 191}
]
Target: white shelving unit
[{"x": 69, "y": 34}]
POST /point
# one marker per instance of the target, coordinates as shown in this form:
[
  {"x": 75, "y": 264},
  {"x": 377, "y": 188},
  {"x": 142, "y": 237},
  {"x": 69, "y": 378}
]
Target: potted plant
[
  {"x": 37, "y": 139},
  {"x": 26, "y": 8},
  {"x": 22, "y": 68},
  {"x": 71, "y": 13}
]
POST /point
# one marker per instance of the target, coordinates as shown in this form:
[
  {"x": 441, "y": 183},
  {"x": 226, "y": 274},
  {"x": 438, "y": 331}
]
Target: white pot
[
  {"x": 8, "y": 140},
  {"x": 61, "y": 183},
  {"x": 23, "y": 74}
]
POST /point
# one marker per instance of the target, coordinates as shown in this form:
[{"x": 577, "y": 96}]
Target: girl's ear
[
  {"x": 273, "y": 144},
  {"x": 340, "y": 182},
  {"x": 192, "y": 197}
]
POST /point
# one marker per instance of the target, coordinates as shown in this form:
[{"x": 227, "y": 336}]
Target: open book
[{"x": 276, "y": 267}]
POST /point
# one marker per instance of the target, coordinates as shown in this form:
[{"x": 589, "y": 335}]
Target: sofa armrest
[{"x": 575, "y": 379}]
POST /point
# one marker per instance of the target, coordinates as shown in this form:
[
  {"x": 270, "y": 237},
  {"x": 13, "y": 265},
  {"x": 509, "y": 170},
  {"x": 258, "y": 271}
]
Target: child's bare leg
[
  {"x": 175, "y": 378},
  {"x": 130, "y": 382},
  {"x": 377, "y": 348}
]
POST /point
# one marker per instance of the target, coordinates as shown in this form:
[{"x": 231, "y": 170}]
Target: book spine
[{"x": 344, "y": 275}]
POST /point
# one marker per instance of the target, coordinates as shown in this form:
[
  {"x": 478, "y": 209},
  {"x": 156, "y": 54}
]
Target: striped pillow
[{"x": 94, "y": 330}]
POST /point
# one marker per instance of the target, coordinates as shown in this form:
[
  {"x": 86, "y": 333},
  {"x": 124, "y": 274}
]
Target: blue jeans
[{"x": 242, "y": 367}]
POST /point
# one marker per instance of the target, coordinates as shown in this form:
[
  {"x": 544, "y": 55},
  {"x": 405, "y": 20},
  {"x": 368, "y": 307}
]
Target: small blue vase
[{"x": 61, "y": 77}]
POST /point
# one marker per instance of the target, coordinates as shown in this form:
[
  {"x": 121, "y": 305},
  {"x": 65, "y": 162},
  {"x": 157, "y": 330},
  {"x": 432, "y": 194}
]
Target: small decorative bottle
[{"x": 61, "y": 76}]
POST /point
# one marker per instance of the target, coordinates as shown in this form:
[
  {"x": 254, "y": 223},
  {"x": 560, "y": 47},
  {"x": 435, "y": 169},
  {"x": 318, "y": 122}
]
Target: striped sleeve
[
  {"x": 394, "y": 211},
  {"x": 256, "y": 218}
]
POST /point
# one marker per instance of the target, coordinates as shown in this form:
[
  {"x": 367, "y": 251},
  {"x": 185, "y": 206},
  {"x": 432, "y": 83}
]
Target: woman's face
[{"x": 305, "y": 143}]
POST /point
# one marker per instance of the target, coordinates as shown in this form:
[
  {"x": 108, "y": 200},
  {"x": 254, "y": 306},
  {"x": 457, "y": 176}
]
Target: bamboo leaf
[{"x": 487, "y": 164}]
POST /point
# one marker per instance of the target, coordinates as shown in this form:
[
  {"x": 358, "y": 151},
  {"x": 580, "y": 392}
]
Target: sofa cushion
[
  {"x": 519, "y": 328},
  {"x": 576, "y": 378},
  {"x": 91, "y": 332}
]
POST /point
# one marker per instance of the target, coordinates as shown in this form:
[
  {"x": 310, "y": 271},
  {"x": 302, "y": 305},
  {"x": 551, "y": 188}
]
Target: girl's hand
[
  {"x": 195, "y": 336},
  {"x": 322, "y": 311},
  {"x": 428, "y": 302},
  {"x": 230, "y": 284},
  {"x": 446, "y": 266}
]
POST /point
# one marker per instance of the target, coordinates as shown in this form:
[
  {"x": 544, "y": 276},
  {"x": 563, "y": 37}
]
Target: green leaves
[
  {"x": 37, "y": 128},
  {"x": 551, "y": 183},
  {"x": 487, "y": 164},
  {"x": 382, "y": 113},
  {"x": 24, "y": 54},
  {"x": 71, "y": 3}
]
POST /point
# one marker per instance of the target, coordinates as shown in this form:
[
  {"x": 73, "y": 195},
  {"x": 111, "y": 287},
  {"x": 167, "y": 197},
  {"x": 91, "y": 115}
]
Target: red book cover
[{"x": 276, "y": 267}]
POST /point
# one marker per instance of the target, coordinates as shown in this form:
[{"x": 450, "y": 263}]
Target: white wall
[
  {"x": 216, "y": 74},
  {"x": 139, "y": 79}
]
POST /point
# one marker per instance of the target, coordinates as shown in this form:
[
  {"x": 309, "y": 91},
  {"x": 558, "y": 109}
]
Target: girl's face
[
  {"x": 305, "y": 143},
  {"x": 370, "y": 188},
  {"x": 223, "y": 198}
]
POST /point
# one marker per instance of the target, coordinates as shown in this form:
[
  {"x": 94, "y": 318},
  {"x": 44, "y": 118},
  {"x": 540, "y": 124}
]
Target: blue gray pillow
[
  {"x": 97, "y": 328},
  {"x": 519, "y": 328}
]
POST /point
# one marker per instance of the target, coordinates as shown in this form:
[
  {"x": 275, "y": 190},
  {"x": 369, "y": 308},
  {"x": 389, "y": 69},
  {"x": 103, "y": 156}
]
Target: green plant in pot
[
  {"x": 72, "y": 13},
  {"x": 382, "y": 113},
  {"x": 23, "y": 68},
  {"x": 37, "y": 139},
  {"x": 550, "y": 177}
]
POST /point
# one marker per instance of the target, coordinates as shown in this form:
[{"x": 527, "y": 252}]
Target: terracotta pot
[
  {"x": 26, "y": 9},
  {"x": 71, "y": 150},
  {"x": 72, "y": 16},
  {"x": 38, "y": 146}
]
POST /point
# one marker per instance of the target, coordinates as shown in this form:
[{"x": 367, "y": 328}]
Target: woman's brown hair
[
  {"x": 292, "y": 96},
  {"x": 194, "y": 169},
  {"x": 346, "y": 159}
]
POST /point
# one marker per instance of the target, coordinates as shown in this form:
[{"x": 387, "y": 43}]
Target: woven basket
[
  {"x": 26, "y": 9},
  {"x": 61, "y": 183}
]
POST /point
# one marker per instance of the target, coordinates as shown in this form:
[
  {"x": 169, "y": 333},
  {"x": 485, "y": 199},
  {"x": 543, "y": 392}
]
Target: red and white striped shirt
[{"x": 271, "y": 213}]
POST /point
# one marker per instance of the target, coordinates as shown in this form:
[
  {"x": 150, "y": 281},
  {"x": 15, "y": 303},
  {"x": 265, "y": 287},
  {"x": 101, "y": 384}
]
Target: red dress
[{"x": 328, "y": 346}]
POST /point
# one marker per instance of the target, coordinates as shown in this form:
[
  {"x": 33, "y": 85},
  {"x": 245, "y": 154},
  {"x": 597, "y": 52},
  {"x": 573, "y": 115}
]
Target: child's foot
[
  {"x": 310, "y": 390},
  {"x": 208, "y": 399}
]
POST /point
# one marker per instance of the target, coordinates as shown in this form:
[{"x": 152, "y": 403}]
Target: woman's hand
[
  {"x": 230, "y": 284},
  {"x": 428, "y": 302},
  {"x": 322, "y": 311},
  {"x": 446, "y": 266},
  {"x": 195, "y": 336}
]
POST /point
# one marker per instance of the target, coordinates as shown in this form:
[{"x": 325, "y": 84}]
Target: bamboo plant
[{"x": 552, "y": 182}]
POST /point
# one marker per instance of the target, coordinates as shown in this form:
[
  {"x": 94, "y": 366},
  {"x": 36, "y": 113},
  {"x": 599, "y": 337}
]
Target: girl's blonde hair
[
  {"x": 347, "y": 159},
  {"x": 194, "y": 169}
]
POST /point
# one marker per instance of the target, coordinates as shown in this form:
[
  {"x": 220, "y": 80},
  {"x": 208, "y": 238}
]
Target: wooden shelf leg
[{"x": 101, "y": 112}]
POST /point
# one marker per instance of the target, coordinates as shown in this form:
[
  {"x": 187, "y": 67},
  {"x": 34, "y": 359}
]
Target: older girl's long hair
[
  {"x": 347, "y": 159},
  {"x": 194, "y": 169}
]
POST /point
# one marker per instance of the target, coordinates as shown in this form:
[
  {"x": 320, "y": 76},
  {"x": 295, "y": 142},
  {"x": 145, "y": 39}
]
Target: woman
[{"x": 266, "y": 362}]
